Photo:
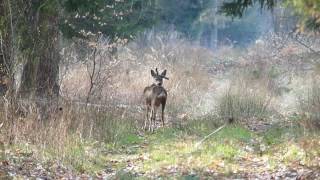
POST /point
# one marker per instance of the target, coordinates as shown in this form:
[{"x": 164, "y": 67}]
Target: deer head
[{"x": 159, "y": 77}]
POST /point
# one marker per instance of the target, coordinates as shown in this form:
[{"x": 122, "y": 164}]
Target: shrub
[
  {"x": 243, "y": 100},
  {"x": 310, "y": 107}
]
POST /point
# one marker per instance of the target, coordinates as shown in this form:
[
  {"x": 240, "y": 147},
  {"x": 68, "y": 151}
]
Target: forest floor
[{"x": 278, "y": 151}]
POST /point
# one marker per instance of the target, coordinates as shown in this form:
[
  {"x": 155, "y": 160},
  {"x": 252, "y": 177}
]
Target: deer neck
[{"x": 153, "y": 85}]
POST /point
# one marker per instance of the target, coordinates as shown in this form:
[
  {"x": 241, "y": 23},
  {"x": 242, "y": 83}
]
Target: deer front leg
[
  {"x": 162, "y": 118},
  {"x": 154, "y": 118},
  {"x": 146, "y": 118},
  {"x": 162, "y": 114},
  {"x": 150, "y": 120}
]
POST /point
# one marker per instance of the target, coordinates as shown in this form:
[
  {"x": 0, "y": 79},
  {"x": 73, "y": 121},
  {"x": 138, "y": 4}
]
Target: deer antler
[
  {"x": 157, "y": 71},
  {"x": 165, "y": 77}
]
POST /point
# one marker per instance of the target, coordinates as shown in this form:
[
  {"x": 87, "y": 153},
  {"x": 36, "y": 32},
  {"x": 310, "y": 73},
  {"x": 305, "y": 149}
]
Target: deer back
[{"x": 156, "y": 94}]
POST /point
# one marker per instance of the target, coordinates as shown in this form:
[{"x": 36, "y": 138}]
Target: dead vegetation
[{"x": 102, "y": 90}]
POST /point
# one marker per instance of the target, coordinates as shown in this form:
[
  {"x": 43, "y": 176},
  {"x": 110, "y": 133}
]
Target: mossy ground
[{"x": 234, "y": 151}]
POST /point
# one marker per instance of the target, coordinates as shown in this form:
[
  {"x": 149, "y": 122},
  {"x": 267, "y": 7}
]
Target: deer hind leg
[
  {"x": 146, "y": 118},
  {"x": 162, "y": 113},
  {"x": 154, "y": 117},
  {"x": 150, "y": 119}
]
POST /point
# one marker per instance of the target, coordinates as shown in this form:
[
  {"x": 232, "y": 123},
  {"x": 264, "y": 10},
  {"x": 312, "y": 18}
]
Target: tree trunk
[
  {"x": 40, "y": 73},
  {"x": 214, "y": 26},
  {"x": 48, "y": 66},
  {"x": 7, "y": 61},
  {"x": 5, "y": 45}
]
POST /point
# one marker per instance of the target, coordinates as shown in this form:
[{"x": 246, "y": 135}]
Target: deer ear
[
  {"x": 163, "y": 74},
  {"x": 153, "y": 74}
]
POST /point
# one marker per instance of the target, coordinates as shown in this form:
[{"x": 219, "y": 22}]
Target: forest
[{"x": 159, "y": 89}]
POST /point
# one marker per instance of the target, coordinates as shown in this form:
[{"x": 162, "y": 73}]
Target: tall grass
[
  {"x": 75, "y": 135},
  {"x": 248, "y": 97},
  {"x": 204, "y": 87},
  {"x": 310, "y": 107},
  {"x": 242, "y": 106}
]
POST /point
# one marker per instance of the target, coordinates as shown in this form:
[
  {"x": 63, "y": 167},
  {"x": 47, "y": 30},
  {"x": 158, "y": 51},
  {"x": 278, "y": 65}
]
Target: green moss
[
  {"x": 234, "y": 133},
  {"x": 123, "y": 175},
  {"x": 278, "y": 134},
  {"x": 293, "y": 153},
  {"x": 130, "y": 139},
  {"x": 226, "y": 151},
  {"x": 165, "y": 135}
]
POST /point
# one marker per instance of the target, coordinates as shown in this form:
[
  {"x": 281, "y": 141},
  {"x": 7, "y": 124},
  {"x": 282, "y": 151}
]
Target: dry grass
[
  {"x": 310, "y": 108},
  {"x": 233, "y": 82},
  {"x": 186, "y": 65},
  {"x": 203, "y": 88},
  {"x": 247, "y": 98}
]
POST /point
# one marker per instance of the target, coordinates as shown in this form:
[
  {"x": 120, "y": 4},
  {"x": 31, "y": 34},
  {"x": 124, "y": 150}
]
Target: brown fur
[{"x": 155, "y": 95}]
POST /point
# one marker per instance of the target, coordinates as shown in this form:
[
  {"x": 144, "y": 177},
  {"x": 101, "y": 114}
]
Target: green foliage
[
  {"x": 123, "y": 175},
  {"x": 294, "y": 153},
  {"x": 198, "y": 18},
  {"x": 131, "y": 139},
  {"x": 236, "y": 133},
  {"x": 116, "y": 19},
  {"x": 277, "y": 134},
  {"x": 183, "y": 14},
  {"x": 272, "y": 136},
  {"x": 224, "y": 151},
  {"x": 165, "y": 135},
  {"x": 190, "y": 177},
  {"x": 307, "y": 10},
  {"x": 238, "y": 7}
]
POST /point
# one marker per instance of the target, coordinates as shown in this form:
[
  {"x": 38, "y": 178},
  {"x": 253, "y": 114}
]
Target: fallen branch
[{"x": 206, "y": 137}]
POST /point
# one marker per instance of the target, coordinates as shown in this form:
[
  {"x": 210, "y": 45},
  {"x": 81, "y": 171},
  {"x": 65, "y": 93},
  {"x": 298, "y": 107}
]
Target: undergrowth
[{"x": 171, "y": 148}]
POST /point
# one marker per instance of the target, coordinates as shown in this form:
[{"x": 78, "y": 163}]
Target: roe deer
[{"x": 154, "y": 96}]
